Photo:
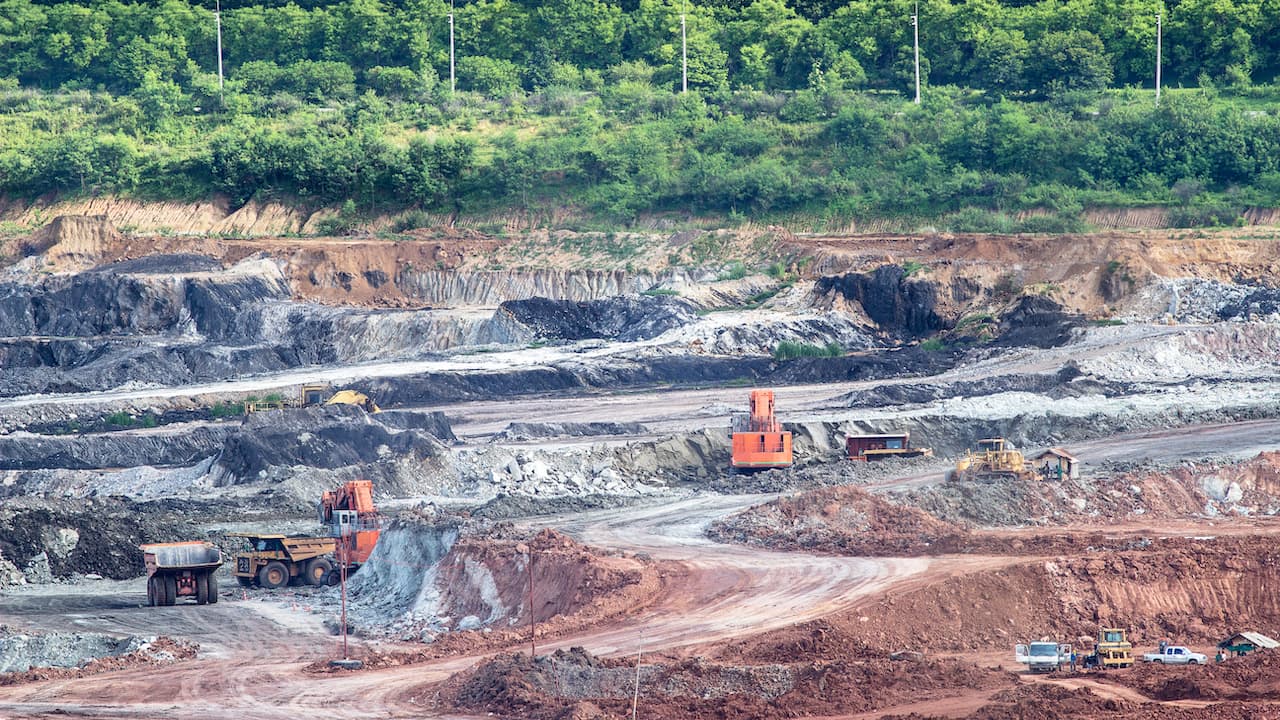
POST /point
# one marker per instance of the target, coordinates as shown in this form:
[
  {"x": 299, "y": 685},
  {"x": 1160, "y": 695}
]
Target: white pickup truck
[
  {"x": 1176, "y": 655},
  {"x": 1043, "y": 657}
]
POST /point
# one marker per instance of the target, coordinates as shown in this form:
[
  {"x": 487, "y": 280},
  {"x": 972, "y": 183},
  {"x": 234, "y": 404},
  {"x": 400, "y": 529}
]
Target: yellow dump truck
[{"x": 273, "y": 561}]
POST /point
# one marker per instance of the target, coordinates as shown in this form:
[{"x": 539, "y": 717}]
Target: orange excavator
[
  {"x": 352, "y": 518},
  {"x": 759, "y": 442}
]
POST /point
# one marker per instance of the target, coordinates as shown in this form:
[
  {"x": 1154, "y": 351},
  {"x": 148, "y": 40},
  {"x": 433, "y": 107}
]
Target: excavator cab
[
  {"x": 350, "y": 515},
  {"x": 759, "y": 442}
]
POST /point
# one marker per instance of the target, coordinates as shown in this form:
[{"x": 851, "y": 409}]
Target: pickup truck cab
[{"x": 1176, "y": 655}]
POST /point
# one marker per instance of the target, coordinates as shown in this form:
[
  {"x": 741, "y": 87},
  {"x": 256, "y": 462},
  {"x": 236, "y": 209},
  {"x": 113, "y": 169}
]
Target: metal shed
[{"x": 1246, "y": 642}]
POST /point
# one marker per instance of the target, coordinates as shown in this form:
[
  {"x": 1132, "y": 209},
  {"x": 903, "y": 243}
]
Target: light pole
[
  {"x": 1159, "y": 39},
  {"x": 217, "y": 21},
  {"x": 915, "y": 27},
  {"x": 684, "y": 51},
  {"x": 453, "y": 78}
]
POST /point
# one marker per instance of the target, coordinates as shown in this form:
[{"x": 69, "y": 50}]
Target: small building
[
  {"x": 878, "y": 447},
  {"x": 1246, "y": 642},
  {"x": 1056, "y": 464}
]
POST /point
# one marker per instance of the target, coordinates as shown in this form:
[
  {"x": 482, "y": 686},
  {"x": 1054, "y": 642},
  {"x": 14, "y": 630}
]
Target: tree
[
  {"x": 1067, "y": 61},
  {"x": 587, "y": 33}
]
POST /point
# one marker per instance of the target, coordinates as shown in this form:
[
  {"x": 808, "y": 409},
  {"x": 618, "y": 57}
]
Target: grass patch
[
  {"x": 911, "y": 267},
  {"x": 120, "y": 419},
  {"x": 1107, "y": 322},
  {"x": 221, "y": 410},
  {"x": 735, "y": 271},
  {"x": 932, "y": 345},
  {"x": 656, "y": 292},
  {"x": 787, "y": 350}
]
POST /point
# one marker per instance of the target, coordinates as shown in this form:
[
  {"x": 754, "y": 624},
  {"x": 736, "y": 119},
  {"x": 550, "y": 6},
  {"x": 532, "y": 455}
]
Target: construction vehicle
[
  {"x": 352, "y": 397},
  {"x": 181, "y": 569},
  {"x": 1044, "y": 656},
  {"x": 759, "y": 442},
  {"x": 1112, "y": 650},
  {"x": 273, "y": 561},
  {"x": 994, "y": 460},
  {"x": 352, "y": 518},
  {"x": 1175, "y": 655},
  {"x": 879, "y": 447},
  {"x": 312, "y": 396}
]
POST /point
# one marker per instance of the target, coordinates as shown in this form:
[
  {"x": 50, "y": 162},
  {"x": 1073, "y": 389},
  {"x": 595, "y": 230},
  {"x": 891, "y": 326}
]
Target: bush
[
  {"x": 400, "y": 81},
  {"x": 787, "y": 350},
  {"x": 493, "y": 77}
]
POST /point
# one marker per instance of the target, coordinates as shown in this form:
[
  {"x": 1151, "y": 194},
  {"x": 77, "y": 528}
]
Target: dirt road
[{"x": 252, "y": 652}]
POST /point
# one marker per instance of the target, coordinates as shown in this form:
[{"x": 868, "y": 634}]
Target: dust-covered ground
[{"x": 550, "y": 455}]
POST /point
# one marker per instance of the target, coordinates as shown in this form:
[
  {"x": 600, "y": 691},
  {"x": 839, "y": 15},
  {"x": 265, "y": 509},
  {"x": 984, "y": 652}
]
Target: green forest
[{"x": 799, "y": 108}]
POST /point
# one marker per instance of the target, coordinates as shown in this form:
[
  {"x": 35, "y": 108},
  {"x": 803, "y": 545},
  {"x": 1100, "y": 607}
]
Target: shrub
[{"x": 787, "y": 350}]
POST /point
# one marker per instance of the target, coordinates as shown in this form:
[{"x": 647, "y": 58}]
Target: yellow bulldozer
[
  {"x": 994, "y": 460},
  {"x": 1112, "y": 650}
]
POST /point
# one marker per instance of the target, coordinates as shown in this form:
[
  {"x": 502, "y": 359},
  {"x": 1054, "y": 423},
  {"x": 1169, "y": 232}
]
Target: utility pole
[
  {"x": 684, "y": 51},
  {"x": 217, "y": 21},
  {"x": 533, "y": 617},
  {"x": 453, "y": 78},
  {"x": 1159, "y": 39},
  {"x": 915, "y": 26}
]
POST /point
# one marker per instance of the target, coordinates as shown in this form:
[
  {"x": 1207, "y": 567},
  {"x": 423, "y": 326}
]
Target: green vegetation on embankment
[{"x": 797, "y": 110}]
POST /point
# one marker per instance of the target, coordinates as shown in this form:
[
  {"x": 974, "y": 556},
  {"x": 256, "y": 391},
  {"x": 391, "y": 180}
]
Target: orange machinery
[
  {"x": 351, "y": 517},
  {"x": 759, "y": 442}
]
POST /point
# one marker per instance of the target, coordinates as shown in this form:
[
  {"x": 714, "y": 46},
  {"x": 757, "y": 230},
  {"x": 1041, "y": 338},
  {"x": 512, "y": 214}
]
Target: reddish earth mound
[
  {"x": 844, "y": 520},
  {"x": 1252, "y": 677},
  {"x": 578, "y": 685},
  {"x": 1197, "y": 592},
  {"x": 568, "y": 578},
  {"x": 575, "y": 587}
]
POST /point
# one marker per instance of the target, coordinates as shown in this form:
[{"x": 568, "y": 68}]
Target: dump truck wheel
[
  {"x": 151, "y": 591},
  {"x": 170, "y": 589},
  {"x": 202, "y": 589},
  {"x": 273, "y": 575},
  {"x": 213, "y": 588},
  {"x": 317, "y": 570}
]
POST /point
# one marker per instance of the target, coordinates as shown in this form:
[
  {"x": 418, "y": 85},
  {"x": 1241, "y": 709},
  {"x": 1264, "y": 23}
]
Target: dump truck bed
[{"x": 193, "y": 555}]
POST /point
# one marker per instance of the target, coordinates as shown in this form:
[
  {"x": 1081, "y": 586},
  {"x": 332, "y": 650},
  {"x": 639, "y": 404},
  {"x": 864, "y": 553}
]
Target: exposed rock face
[
  {"x": 26, "y": 451},
  {"x": 615, "y": 318},
  {"x": 489, "y": 289},
  {"x": 897, "y": 304},
  {"x": 328, "y": 437},
  {"x": 34, "y": 534},
  {"x": 1037, "y": 321}
]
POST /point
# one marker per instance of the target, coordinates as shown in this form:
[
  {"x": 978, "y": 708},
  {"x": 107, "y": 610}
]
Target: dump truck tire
[
  {"x": 202, "y": 589},
  {"x": 151, "y": 591},
  {"x": 273, "y": 575},
  {"x": 213, "y": 588},
  {"x": 317, "y": 570},
  {"x": 170, "y": 584}
]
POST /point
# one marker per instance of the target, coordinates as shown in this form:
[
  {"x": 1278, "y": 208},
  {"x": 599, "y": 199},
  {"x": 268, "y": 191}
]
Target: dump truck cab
[{"x": 273, "y": 561}]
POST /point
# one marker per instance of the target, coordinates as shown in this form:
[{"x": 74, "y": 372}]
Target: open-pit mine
[{"x": 699, "y": 474}]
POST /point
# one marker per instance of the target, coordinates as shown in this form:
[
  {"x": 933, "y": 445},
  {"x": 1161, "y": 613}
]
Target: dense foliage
[
  {"x": 797, "y": 107},
  {"x": 331, "y": 48}
]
